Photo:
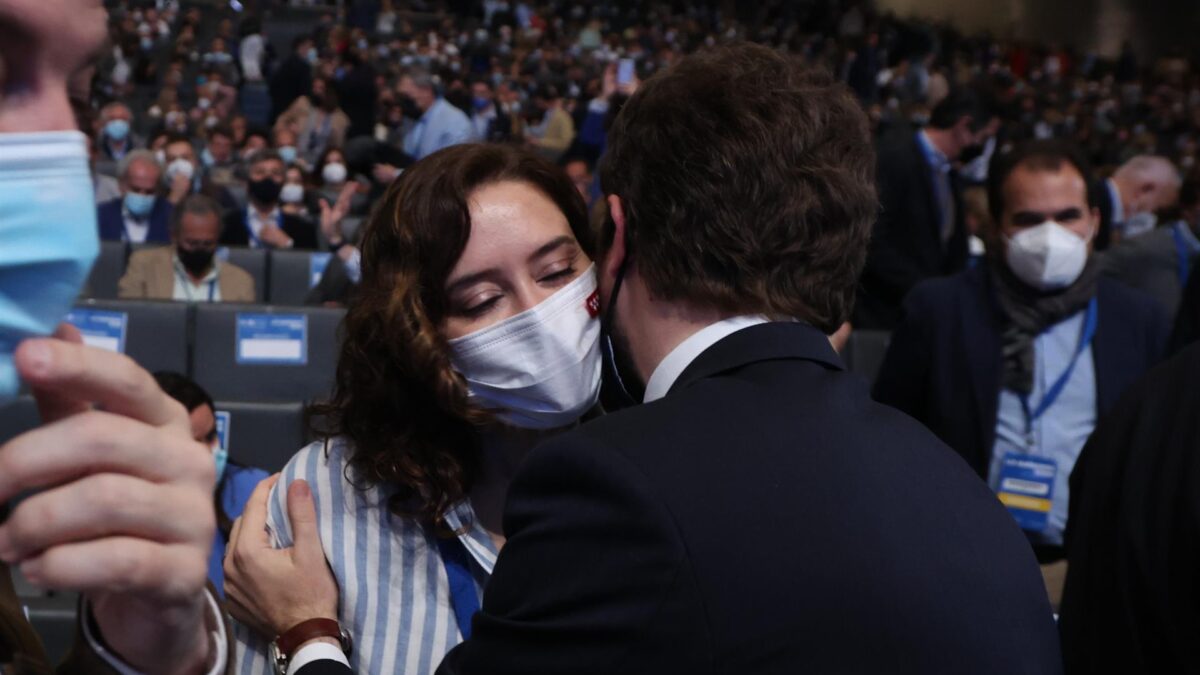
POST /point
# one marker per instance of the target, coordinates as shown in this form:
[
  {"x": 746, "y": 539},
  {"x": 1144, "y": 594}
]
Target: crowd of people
[{"x": 632, "y": 236}]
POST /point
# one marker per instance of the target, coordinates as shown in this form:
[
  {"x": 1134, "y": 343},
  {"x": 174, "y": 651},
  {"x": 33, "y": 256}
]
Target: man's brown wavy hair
[
  {"x": 748, "y": 185},
  {"x": 396, "y": 397}
]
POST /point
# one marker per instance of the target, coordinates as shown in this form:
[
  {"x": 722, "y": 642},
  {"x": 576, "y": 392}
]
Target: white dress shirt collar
[{"x": 670, "y": 368}]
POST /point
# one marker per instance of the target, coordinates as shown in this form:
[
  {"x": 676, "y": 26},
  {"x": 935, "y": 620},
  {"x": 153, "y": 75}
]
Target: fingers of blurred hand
[
  {"x": 254, "y": 516},
  {"x": 302, "y": 512},
  {"x": 110, "y": 380},
  {"x": 55, "y": 405},
  {"x": 126, "y": 565},
  {"x": 105, "y": 505},
  {"x": 101, "y": 442}
]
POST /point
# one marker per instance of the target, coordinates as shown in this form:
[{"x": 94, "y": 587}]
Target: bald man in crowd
[{"x": 1131, "y": 198}]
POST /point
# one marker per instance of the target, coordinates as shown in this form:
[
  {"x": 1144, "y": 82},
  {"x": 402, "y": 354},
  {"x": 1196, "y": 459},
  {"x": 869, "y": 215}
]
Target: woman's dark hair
[
  {"x": 396, "y": 397},
  {"x": 192, "y": 396},
  {"x": 748, "y": 185}
]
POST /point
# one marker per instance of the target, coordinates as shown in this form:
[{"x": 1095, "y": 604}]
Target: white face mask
[
  {"x": 292, "y": 193},
  {"x": 334, "y": 172},
  {"x": 180, "y": 167},
  {"x": 541, "y": 368},
  {"x": 1047, "y": 257}
]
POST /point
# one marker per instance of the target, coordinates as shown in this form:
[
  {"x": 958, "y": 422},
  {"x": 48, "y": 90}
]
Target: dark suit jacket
[
  {"x": 906, "y": 245},
  {"x": 765, "y": 517},
  {"x": 112, "y": 223},
  {"x": 944, "y": 364},
  {"x": 219, "y": 194},
  {"x": 1103, "y": 201},
  {"x": 301, "y": 230}
]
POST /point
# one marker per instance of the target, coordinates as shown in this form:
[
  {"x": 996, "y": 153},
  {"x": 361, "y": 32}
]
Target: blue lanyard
[
  {"x": 187, "y": 287},
  {"x": 1056, "y": 389},
  {"x": 255, "y": 242},
  {"x": 462, "y": 585},
  {"x": 1183, "y": 254}
]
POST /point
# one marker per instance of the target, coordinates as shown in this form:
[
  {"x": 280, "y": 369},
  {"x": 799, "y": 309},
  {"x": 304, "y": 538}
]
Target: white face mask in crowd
[
  {"x": 539, "y": 369},
  {"x": 1048, "y": 256},
  {"x": 292, "y": 193},
  {"x": 334, "y": 172}
]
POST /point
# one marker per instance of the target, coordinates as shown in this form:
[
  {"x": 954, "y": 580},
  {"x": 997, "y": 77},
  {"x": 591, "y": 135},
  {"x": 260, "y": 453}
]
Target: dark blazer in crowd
[
  {"x": 1187, "y": 321},
  {"x": 234, "y": 231},
  {"x": 906, "y": 245},
  {"x": 220, "y": 194},
  {"x": 764, "y": 517},
  {"x": 1132, "y": 598},
  {"x": 1149, "y": 263},
  {"x": 1102, "y": 198},
  {"x": 111, "y": 221},
  {"x": 944, "y": 363},
  {"x": 358, "y": 96},
  {"x": 290, "y": 81}
]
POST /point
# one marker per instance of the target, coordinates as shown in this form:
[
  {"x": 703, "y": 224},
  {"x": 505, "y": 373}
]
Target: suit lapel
[
  {"x": 1110, "y": 351},
  {"x": 981, "y": 343},
  {"x": 764, "y": 342}
]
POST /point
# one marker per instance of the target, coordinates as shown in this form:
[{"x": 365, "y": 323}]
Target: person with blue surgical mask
[
  {"x": 235, "y": 482},
  {"x": 141, "y": 215},
  {"x": 130, "y": 534},
  {"x": 116, "y": 135}
]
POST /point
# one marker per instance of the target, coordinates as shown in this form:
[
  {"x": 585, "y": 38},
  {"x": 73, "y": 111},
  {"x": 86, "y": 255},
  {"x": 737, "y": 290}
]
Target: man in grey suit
[{"x": 1160, "y": 261}]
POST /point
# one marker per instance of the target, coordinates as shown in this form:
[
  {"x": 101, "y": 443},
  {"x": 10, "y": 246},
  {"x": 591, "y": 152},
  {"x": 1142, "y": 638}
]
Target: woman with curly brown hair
[{"x": 474, "y": 335}]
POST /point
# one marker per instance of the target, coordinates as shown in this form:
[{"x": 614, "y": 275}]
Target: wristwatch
[{"x": 284, "y": 646}]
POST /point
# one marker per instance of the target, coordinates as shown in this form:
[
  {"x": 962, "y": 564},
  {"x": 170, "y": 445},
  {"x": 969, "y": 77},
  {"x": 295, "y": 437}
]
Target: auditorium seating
[
  {"x": 278, "y": 354},
  {"x": 17, "y": 417},
  {"x": 53, "y": 617},
  {"x": 254, "y": 261},
  {"x": 155, "y": 335},
  {"x": 294, "y": 274},
  {"x": 110, "y": 265},
  {"x": 264, "y": 435}
]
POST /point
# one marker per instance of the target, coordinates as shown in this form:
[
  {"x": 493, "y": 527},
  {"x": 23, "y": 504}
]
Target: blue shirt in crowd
[
  {"x": 238, "y": 482},
  {"x": 442, "y": 126}
]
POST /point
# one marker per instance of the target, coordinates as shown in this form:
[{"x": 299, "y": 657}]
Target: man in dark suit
[
  {"x": 758, "y": 514},
  {"x": 1013, "y": 363},
  {"x": 921, "y": 231},
  {"x": 141, "y": 215},
  {"x": 293, "y": 78},
  {"x": 262, "y": 224}
]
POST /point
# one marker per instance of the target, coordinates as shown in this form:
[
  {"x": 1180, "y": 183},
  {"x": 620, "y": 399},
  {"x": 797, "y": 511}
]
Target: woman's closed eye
[{"x": 481, "y": 304}]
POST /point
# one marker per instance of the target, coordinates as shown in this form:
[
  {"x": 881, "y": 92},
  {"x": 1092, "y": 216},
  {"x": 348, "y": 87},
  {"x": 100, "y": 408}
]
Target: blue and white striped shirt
[{"x": 395, "y": 595}]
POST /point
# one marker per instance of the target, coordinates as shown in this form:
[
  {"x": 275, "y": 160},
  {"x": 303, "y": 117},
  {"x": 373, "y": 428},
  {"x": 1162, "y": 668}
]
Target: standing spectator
[
  {"x": 294, "y": 77},
  {"x": 1013, "y": 362},
  {"x": 252, "y": 50},
  {"x": 491, "y": 124},
  {"x": 262, "y": 224},
  {"x": 921, "y": 232},
  {"x": 188, "y": 270},
  {"x": 436, "y": 123},
  {"x": 580, "y": 174},
  {"x": 1129, "y": 200},
  {"x": 1161, "y": 261},
  {"x": 555, "y": 130},
  {"x": 359, "y": 95},
  {"x": 140, "y": 216},
  {"x": 1133, "y": 550}
]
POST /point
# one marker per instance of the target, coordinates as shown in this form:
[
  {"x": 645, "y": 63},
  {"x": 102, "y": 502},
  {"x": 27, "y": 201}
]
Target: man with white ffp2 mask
[{"x": 1039, "y": 340}]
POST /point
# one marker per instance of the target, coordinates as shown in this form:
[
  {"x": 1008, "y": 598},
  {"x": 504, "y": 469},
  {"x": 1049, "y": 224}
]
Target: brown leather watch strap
[{"x": 304, "y": 631}]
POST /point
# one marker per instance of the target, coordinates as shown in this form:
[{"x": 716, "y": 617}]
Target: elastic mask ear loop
[{"x": 610, "y": 353}]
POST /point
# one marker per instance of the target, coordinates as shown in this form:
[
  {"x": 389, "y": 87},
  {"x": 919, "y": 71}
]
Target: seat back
[
  {"x": 263, "y": 435},
  {"x": 107, "y": 272},
  {"x": 153, "y": 333},
  {"x": 254, "y": 261},
  {"x": 294, "y": 274}
]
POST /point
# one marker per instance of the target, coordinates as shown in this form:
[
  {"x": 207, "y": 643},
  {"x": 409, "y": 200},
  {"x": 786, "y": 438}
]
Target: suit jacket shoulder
[
  {"x": 149, "y": 275},
  {"x": 236, "y": 284}
]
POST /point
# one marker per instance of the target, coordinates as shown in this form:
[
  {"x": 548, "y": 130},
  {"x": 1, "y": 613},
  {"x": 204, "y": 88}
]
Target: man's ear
[{"x": 614, "y": 258}]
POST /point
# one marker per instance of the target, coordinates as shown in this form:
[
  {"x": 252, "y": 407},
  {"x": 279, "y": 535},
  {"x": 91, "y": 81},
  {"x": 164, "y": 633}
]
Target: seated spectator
[
  {"x": 234, "y": 481},
  {"x": 188, "y": 270},
  {"x": 316, "y": 120},
  {"x": 184, "y": 177},
  {"x": 1131, "y": 603},
  {"x": 292, "y": 198},
  {"x": 436, "y": 123},
  {"x": 218, "y": 156},
  {"x": 555, "y": 130},
  {"x": 115, "y": 139},
  {"x": 580, "y": 173},
  {"x": 332, "y": 177},
  {"x": 1129, "y": 200},
  {"x": 140, "y": 216},
  {"x": 106, "y": 187},
  {"x": 1013, "y": 362},
  {"x": 283, "y": 140},
  {"x": 262, "y": 224},
  {"x": 490, "y": 122},
  {"x": 1160, "y": 261}
]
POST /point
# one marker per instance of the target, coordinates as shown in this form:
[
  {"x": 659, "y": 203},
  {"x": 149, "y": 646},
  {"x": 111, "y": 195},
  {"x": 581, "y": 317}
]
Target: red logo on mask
[{"x": 593, "y": 304}]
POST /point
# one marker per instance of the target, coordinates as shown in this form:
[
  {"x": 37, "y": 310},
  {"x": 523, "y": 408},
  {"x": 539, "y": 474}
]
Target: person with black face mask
[
  {"x": 921, "y": 231},
  {"x": 262, "y": 224},
  {"x": 188, "y": 270}
]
